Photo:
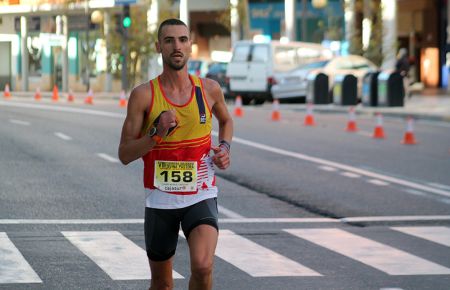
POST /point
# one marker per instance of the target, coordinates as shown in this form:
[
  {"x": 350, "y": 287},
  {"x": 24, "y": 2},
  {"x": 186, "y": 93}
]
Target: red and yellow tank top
[{"x": 181, "y": 163}]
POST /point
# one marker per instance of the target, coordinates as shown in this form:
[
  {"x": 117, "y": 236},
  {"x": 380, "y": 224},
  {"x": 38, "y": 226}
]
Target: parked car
[
  {"x": 253, "y": 65},
  {"x": 217, "y": 71},
  {"x": 293, "y": 84},
  {"x": 197, "y": 67}
]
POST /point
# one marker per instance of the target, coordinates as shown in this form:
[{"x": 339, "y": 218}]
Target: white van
[{"x": 253, "y": 65}]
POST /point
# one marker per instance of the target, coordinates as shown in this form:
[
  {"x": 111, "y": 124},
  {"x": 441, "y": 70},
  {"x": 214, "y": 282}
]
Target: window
[
  {"x": 241, "y": 53},
  {"x": 260, "y": 53}
]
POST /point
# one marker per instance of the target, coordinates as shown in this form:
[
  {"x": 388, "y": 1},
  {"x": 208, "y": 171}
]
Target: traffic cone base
[
  {"x": 238, "y": 112},
  {"x": 309, "y": 120},
  {"x": 122, "y": 102},
  {"x": 409, "y": 139},
  {"x": 6, "y": 92},
  {"x": 55, "y": 96},
  {"x": 70, "y": 97},
  {"x": 89, "y": 100},
  {"x": 351, "y": 126},
  {"x": 37, "y": 95},
  {"x": 378, "y": 133},
  {"x": 276, "y": 116}
]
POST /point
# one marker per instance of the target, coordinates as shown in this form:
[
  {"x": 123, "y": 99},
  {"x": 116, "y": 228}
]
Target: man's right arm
[{"x": 133, "y": 146}]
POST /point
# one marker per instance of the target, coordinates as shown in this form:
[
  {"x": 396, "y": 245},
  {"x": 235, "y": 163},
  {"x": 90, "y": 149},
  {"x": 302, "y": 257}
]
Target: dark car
[
  {"x": 197, "y": 67},
  {"x": 217, "y": 71}
]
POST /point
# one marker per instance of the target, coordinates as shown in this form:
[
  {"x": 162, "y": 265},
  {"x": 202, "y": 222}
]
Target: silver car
[{"x": 293, "y": 84}]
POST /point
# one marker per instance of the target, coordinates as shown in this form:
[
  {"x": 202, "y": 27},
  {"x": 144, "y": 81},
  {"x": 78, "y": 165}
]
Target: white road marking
[
  {"x": 108, "y": 157},
  {"x": 391, "y": 288},
  {"x": 64, "y": 109},
  {"x": 440, "y": 235},
  {"x": 229, "y": 213},
  {"x": 63, "y": 136},
  {"x": 256, "y": 260},
  {"x": 396, "y": 218},
  {"x": 327, "y": 168},
  {"x": 438, "y": 185},
  {"x": 350, "y": 175},
  {"x": 378, "y": 182},
  {"x": 382, "y": 257},
  {"x": 13, "y": 266},
  {"x": 420, "y": 193},
  {"x": 19, "y": 122},
  {"x": 229, "y": 220},
  {"x": 119, "y": 257},
  {"x": 340, "y": 166}
]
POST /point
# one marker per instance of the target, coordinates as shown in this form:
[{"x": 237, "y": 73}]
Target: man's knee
[{"x": 202, "y": 268}]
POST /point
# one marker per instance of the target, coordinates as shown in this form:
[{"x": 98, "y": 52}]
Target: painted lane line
[
  {"x": 350, "y": 175},
  {"x": 229, "y": 213},
  {"x": 374, "y": 254},
  {"x": 364, "y": 133},
  {"x": 439, "y": 235},
  {"x": 64, "y": 109},
  {"x": 340, "y": 166},
  {"x": 19, "y": 122},
  {"x": 229, "y": 220},
  {"x": 438, "y": 185},
  {"x": 116, "y": 255},
  {"x": 108, "y": 157},
  {"x": 396, "y": 218},
  {"x": 328, "y": 168},
  {"x": 13, "y": 266},
  {"x": 423, "y": 194},
  {"x": 63, "y": 136},
  {"x": 256, "y": 260},
  {"x": 378, "y": 182}
]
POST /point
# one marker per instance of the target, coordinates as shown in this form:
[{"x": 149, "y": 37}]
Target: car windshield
[{"x": 217, "y": 68}]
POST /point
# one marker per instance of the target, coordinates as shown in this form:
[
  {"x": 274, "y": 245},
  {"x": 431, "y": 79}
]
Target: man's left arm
[{"x": 219, "y": 108}]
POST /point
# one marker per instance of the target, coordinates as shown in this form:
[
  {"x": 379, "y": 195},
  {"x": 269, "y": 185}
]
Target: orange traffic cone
[
  {"x": 276, "y": 110},
  {"x": 37, "y": 95},
  {"x": 6, "y": 92},
  {"x": 309, "y": 118},
  {"x": 89, "y": 100},
  {"x": 408, "y": 138},
  {"x": 70, "y": 97},
  {"x": 351, "y": 124},
  {"x": 378, "y": 132},
  {"x": 55, "y": 96},
  {"x": 238, "y": 112},
  {"x": 123, "y": 99}
]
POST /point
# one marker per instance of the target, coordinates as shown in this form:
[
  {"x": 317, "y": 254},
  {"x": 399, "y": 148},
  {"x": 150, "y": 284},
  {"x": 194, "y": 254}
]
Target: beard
[{"x": 175, "y": 65}]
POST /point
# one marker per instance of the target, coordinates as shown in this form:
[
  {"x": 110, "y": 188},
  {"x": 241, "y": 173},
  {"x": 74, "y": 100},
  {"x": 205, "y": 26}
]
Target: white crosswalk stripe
[
  {"x": 440, "y": 235},
  {"x": 382, "y": 257},
  {"x": 13, "y": 266},
  {"x": 122, "y": 259},
  {"x": 256, "y": 260},
  {"x": 119, "y": 257}
]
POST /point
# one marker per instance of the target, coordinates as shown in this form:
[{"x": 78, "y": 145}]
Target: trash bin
[
  {"x": 317, "y": 89},
  {"x": 390, "y": 89},
  {"x": 370, "y": 89},
  {"x": 345, "y": 90}
]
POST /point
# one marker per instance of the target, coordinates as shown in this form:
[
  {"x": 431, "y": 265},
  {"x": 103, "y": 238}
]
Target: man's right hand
[{"x": 167, "y": 120}]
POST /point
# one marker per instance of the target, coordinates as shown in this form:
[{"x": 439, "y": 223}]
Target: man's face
[{"x": 174, "y": 46}]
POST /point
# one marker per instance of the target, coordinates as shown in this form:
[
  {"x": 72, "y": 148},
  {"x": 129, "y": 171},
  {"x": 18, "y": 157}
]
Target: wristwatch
[{"x": 155, "y": 137}]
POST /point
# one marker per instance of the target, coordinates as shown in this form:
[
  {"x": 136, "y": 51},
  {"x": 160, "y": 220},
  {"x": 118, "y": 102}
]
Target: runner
[{"x": 168, "y": 124}]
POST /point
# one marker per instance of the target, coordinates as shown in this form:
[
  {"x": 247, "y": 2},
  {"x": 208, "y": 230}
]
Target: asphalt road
[{"x": 300, "y": 208}]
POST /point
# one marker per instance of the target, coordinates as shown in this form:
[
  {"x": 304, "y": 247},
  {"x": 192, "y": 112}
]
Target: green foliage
[{"x": 374, "y": 51}]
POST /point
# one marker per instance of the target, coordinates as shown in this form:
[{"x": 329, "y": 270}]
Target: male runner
[{"x": 168, "y": 124}]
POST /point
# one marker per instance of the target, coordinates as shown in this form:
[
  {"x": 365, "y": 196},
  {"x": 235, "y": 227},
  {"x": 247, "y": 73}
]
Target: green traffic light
[{"x": 126, "y": 22}]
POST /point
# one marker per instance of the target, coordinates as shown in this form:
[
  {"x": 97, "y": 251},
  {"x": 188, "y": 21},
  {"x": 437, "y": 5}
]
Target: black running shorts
[{"x": 161, "y": 226}]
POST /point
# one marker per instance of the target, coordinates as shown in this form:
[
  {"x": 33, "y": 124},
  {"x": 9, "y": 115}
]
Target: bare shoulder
[
  {"x": 212, "y": 89},
  {"x": 140, "y": 96}
]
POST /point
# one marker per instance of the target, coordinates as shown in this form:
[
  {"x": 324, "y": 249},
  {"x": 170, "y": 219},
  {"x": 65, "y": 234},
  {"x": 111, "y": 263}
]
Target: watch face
[{"x": 152, "y": 131}]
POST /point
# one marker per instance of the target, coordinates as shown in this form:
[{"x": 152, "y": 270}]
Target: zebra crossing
[{"x": 121, "y": 259}]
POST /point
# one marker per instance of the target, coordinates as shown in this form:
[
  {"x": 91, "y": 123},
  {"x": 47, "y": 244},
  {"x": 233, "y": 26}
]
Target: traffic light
[{"x": 126, "y": 18}]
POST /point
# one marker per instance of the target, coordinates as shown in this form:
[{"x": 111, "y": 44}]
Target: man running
[{"x": 168, "y": 124}]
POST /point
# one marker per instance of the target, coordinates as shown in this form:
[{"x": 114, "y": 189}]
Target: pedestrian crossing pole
[{"x": 125, "y": 25}]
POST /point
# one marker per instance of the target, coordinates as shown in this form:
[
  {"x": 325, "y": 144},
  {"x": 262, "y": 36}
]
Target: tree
[{"x": 374, "y": 51}]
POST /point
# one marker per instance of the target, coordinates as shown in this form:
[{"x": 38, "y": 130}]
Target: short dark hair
[{"x": 170, "y": 21}]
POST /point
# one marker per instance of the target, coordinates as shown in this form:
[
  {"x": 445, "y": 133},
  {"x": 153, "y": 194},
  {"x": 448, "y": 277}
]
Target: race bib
[{"x": 175, "y": 176}]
